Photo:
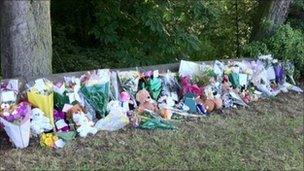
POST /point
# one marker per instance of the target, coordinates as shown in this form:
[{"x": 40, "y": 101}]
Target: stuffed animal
[
  {"x": 145, "y": 101},
  {"x": 209, "y": 105},
  {"x": 39, "y": 122},
  {"x": 218, "y": 102},
  {"x": 165, "y": 113},
  {"x": 75, "y": 109},
  {"x": 84, "y": 124}
]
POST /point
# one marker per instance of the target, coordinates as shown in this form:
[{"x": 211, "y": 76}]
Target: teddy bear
[
  {"x": 145, "y": 101},
  {"x": 39, "y": 122},
  {"x": 75, "y": 109},
  {"x": 84, "y": 125},
  {"x": 208, "y": 103}
]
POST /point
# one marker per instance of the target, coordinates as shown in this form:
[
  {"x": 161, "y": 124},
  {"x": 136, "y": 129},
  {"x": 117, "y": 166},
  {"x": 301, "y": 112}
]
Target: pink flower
[
  {"x": 188, "y": 88},
  {"x": 195, "y": 90}
]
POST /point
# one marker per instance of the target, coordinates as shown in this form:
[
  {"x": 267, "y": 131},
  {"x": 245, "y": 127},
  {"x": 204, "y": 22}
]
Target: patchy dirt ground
[{"x": 267, "y": 135}]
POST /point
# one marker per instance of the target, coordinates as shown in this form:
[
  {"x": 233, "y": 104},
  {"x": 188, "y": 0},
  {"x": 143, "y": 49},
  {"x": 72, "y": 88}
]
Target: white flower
[
  {"x": 6, "y": 113},
  {"x": 4, "y": 106}
]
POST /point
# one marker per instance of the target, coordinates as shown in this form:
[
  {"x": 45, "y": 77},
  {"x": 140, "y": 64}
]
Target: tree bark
[
  {"x": 26, "y": 40},
  {"x": 271, "y": 14}
]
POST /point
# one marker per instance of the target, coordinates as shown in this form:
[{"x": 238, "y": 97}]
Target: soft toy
[
  {"x": 84, "y": 124},
  {"x": 209, "y": 105},
  {"x": 75, "y": 109},
  {"x": 145, "y": 101},
  {"x": 165, "y": 113},
  {"x": 126, "y": 102},
  {"x": 133, "y": 119},
  {"x": 218, "y": 102},
  {"x": 39, "y": 122}
]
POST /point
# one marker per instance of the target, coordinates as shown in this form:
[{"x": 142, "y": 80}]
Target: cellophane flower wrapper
[
  {"x": 153, "y": 123},
  {"x": 129, "y": 81},
  {"x": 279, "y": 73},
  {"x": 169, "y": 84},
  {"x": 289, "y": 70},
  {"x": 95, "y": 91},
  {"x": 9, "y": 90},
  {"x": 152, "y": 83},
  {"x": 60, "y": 99},
  {"x": 202, "y": 78},
  {"x": 115, "y": 120},
  {"x": 267, "y": 60},
  {"x": 40, "y": 94},
  {"x": 188, "y": 68},
  {"x": 67, "y": 92},
  {"x": 114, "y": 91},
  {"x": 19, "y": 130}
]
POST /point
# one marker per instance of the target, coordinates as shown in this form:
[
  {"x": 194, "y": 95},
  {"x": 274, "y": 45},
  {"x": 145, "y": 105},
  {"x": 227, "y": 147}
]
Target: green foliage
[
  {"x": 94, "y": 34},
  {"x": 100, "y": 34},
  {"x": 286, "y": 43},
  {"x": 296, "y": 15}
]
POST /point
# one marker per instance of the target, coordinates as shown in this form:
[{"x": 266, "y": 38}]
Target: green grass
[{"x": 267, "y": 135}]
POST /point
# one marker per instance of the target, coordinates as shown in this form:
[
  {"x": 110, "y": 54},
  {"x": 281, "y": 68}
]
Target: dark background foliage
[{"x": 90, "y": 34}]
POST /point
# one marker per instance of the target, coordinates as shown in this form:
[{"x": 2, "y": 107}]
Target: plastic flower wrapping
[
  {"x": 129, "y": 81},
  {"x": 67, "y": 92},
  {"x": 9, "y": 90},
  {"x": 150, "y": 81},
  {"x": 16, "y": 121},
  {"x": 40, "y": 94},
  {"x": 289, "y": 70}
]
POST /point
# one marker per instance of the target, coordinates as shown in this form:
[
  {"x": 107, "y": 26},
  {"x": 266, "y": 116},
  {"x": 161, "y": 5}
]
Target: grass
[{"x": 267, "y": 135}]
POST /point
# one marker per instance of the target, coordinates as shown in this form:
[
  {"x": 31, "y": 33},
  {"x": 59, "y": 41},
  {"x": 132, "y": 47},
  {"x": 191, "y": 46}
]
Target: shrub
[{"x": 286, "y": 43}]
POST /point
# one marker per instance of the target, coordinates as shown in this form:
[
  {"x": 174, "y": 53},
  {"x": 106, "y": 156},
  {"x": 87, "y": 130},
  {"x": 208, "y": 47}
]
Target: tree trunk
[
  {"x": 271, "y": 14},
  {"x": 26, "y": 40}
]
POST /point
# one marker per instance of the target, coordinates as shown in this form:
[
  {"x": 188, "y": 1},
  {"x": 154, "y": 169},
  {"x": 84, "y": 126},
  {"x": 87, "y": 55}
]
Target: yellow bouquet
[
  {"x": 40, "y": 94},
  {"x": 48, "y": 140}
]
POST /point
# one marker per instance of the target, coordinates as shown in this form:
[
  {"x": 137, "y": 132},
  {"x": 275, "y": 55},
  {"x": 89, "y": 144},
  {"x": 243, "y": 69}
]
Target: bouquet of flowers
[
  {"x": 150, "y": 81},
  {"x": 289, "y": 70},
  {"x": 66, "y": 92},
  {"x": 50, "y": 140},
  {"x": 170, "y": 86},
  {"x": 115, "y": 120},
  {"x": 9, "y": 90},
  {"x": 95, "y": 90},
  {"x": 40, "y": 94},
  {"x": 188, "y": 87},
  {"x": 16, "y": 121},
  {"x": 129, "y": 81},
  {"x": 268, "y": 61}
]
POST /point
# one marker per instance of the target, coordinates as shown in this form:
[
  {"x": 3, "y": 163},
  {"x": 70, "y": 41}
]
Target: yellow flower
[{"x": 49, "y": 142}]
